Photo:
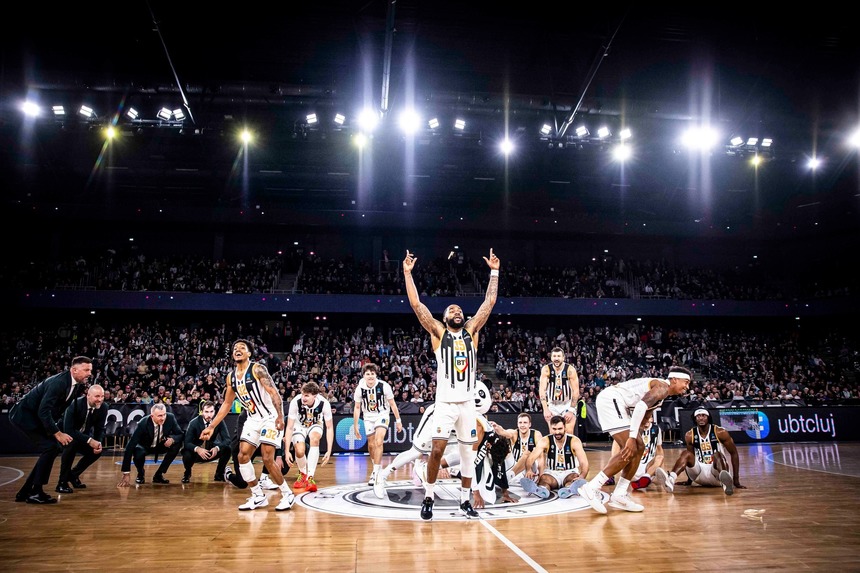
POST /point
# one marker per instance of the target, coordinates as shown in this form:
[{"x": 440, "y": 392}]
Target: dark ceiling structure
[{"x": 506, "y": 72}]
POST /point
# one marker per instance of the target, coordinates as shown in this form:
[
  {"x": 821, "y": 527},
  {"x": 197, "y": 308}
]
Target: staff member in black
[
  {"x": 84, "y": 420},
  {"x": 197, "y": 451},
  {"x": 155, "y": 434},
  {"x": 37, "y": 415}
]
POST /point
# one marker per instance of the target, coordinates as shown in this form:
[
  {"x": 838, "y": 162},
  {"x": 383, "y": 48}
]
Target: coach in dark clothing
[
  {"x": 155, "y": 434},
  {"x": 197, "y": 451},
  {"x": 37, "y": 414},
  {"x": 84, "y": 420}
]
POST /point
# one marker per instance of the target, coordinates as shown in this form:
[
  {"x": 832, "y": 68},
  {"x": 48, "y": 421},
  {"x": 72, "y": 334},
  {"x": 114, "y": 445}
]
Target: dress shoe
[
  {"x": 140, "y": 479},
  {"x": 22, "y": 497},
  {"x": 185, "y": 479},
  {"x": 41, "y": 498},
  {"x": 158, "y": 478},
  {"x": 76, "y": 483},
  {"x": 63, "y": 487}
]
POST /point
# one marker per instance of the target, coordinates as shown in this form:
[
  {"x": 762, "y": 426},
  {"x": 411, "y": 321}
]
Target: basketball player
[
  {"x": 622, "y": 409},
  {"x": 560, "y": 460},
  {"x": 308, "y": 412},
  {"x": 455, "y": 343},
  {"x": 523, "y": 442},
  {"x": 705, "y": 461},
  {"x": 559, "y": 390},
  {"x": 251, "y": 383},
  {"x": 652, "y": 458},
  {"x": 422, "y": 442},
  {"x": 375, "y": 399}
]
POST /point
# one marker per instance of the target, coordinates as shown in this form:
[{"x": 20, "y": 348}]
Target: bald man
[{"x": 84, "y": 420}]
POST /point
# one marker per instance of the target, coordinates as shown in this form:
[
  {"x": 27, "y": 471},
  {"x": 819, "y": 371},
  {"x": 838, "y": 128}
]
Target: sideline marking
[{"x": 522, "y": 554}]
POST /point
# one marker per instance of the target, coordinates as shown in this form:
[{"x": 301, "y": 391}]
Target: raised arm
[
  {"x": 477, "y": 322},
  {"x": 430, "y": 324}
]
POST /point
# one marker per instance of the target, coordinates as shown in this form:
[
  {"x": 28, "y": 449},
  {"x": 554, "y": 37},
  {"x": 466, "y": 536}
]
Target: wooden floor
[{"x": 809, "y": 491}]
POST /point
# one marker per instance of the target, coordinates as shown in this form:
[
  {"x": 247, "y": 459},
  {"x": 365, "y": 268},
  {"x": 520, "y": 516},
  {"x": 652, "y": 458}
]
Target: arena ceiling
[{"x": 744, "y": 71}]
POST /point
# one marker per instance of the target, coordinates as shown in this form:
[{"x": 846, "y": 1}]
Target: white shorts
[
  {"x": 703, "y": 474},
  {"x": 301, "y": 433},
  {"x": 460, "y": 417},
  {"x": 561, "y": 409},
  {"x": 612, "y": 412},
  {"x": 258, "y": 431},
  {"x": 375, "y": 420},
  {"x": 559, "y": 475}
]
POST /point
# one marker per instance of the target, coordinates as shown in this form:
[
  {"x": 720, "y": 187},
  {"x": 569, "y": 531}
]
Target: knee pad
[{"x": 247, "y": 471}]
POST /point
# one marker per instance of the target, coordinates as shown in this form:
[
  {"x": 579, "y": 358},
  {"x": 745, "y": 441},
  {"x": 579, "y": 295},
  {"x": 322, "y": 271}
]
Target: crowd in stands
[
  {"x": 180, "y": 363},
  {"x": 599, "y": 278}
]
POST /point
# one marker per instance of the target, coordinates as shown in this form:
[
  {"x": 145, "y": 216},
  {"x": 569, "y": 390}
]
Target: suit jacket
[
  {"x": 42, "y": 407},
  {"x": 74, "y": 418},
  {"x": 144, "y": 434},
  {"x": 220, "y": 438}
]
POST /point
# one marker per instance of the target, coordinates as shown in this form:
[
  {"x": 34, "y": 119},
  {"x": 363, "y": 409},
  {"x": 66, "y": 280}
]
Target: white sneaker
[
  {"x": 372, "y": 479},
  {"x": 267, "y": 483},
  {"x": 254, "y": 502},
  {"x": 286, "y": 502},
  {"x": 593, "y": 498},
  {"x": 727, "y": 482},
  {"x": 664, "y": 479},
  {"x": 624, "y": 502},
  {"x": 419, "y": 473},
  {"x": 379, "y": 485}
]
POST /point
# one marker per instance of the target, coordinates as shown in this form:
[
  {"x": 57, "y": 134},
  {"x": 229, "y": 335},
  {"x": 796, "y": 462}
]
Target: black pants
[
  {"x": 49, "y": 449},
  {"x": 88, "y": 458},
  {"x": 141, "y": 451},
  {"x": 190, "y": 457}
]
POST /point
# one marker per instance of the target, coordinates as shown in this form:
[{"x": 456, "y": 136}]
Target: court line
[
  {"x": 20, "y": 475},
  {"x": 823, "y": 471},
  {"x": 522, "y": 554}
]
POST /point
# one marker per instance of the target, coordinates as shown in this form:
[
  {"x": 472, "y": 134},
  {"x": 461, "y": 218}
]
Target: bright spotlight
[
  {"x": 132, "y": 113},
  {"x": 110, "y": 132},
  {"x": 546, "y": 129},
  {"x": 603, "y": 132},
  {"x": 701, "y": 138},
  {"x": 814, "y": 163},
  {"x": 460, "y": 124},
  {"x": 58, "y": 110},
  {"x": 625, "y": 134},
  {"x": 622, "y": 152},
  {"x": 360, "y": 140},
  {"x": 246, "y": 136},
  {"x": 368, "y": 119},
  {"x": 311, "y": 118},
  {"x": 506, "y": 146},
  {"x": 409, "y": 121},
  {"x": 164, "y": 114},
  {"x": 31, "y": 109},
  {"x": 86, "y": 111}
]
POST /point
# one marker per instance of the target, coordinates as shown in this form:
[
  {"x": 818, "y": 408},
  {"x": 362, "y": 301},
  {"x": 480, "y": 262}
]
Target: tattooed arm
[
  {"x": 478, "y": 321},
  {"x": 430, "y": 324},
  {"x": 262, "y": 374}
]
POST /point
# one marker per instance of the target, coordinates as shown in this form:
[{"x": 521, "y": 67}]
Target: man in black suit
[
  {"x": 196, "y": 450},
  {"x": 155, "y": 434},
  {"x": 84, "y": 420},
  {"x": 37, "y": 415}
]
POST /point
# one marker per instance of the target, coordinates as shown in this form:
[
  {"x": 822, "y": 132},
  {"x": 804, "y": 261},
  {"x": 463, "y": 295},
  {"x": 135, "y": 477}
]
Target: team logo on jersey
[
  {"x": 403, "y": 502},
  {"x": 461, "y": 363}
]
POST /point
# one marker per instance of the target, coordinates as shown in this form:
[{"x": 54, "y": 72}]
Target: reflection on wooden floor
[{"x": 809, "y": 493}]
